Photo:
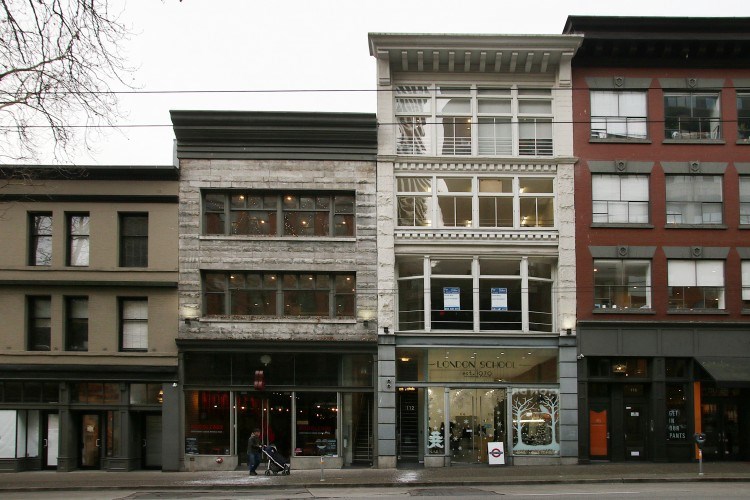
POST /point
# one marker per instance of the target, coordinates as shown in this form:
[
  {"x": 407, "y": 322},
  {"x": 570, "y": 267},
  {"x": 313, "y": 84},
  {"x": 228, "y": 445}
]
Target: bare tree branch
[{"x": 58, "y": 59}]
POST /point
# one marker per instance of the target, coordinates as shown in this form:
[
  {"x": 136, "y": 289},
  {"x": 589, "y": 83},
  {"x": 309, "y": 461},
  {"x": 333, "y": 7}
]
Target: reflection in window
[
  {"x": 746, "y": 284},
  {"x": 694, "y": 199},
  {"x": 744, "y": 199},
  {"x": 40, "y": 239},
  {"x": 207, "y": 427},
  {"x": 620, "y": 199},
  {"x": 743, "y": 116},
  {"x": 40, "y": 319},
  {"x": 537, "y": 209},
  {"x": 77, "y": 324},
  {"x": 78, "y": 240}
]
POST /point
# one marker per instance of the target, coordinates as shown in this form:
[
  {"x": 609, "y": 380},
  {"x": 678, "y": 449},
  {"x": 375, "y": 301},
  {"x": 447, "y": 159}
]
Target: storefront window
[
  {"x": 146, "y": 394},
  {"x": 207, "y": 422},
  {"x": 452, "y": 295},
  {"x": 93, "y": 392},
  {"x": 436, "y": 421},
  {"x": 677, "y": 412},
  {"x": 357, "y": 370},
  {"x": 317, "y": 417},
  {"x": 536, "y": 421}
]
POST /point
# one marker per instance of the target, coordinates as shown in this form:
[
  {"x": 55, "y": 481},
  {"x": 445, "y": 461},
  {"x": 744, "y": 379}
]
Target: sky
[{"x": 221, "y": 45}]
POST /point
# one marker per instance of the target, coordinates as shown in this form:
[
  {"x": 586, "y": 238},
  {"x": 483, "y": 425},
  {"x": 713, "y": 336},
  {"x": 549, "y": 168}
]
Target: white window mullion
[
  {"x": 427, "y": 294},
  {"x": 475, "y": 290},
  {"x": 525, "y": 294},
  {"x": 514, "y": 119}
]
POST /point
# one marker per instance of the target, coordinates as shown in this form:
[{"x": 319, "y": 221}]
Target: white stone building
[{"x": 476, "y": 249}]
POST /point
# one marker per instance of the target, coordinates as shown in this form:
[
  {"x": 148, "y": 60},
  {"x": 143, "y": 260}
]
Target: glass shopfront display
[{"x": 475, "y": 396}]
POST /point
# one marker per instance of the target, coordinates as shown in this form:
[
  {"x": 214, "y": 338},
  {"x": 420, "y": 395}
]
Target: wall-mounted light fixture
[
  {"x": 174, "y": 384},
  {"x": 568, "y": 331},
  {"x": 188, "y": 321},
  {"x": 386, "y": 330}
]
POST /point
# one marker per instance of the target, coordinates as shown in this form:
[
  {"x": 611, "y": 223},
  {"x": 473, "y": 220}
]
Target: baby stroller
[{"x": 276, "y": 461}]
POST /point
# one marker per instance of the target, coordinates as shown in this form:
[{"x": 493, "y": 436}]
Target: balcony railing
[{"x": 618, "y": 127}]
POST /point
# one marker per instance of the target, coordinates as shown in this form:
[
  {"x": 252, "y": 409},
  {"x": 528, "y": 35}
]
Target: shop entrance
[
  {"x": 50, "y": 440},
  {"x": 720, "y": 420},
  {"x": 90, "y": 440},
  {"x": 272, "y": 414},
  {"x": 635, "y": 418},
  {"x": 151, "y": 441},
  {"x": 477, "y": 416},
  {"x": 407, "y": 425}
]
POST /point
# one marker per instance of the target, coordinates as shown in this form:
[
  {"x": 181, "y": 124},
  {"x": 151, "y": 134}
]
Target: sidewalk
[{"x": 453, "y": 476}]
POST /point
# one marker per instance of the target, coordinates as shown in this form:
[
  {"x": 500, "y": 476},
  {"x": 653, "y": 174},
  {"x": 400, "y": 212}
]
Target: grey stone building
[
  {"x": 476, "y": 249},
  {"x": 88, "y": 301},
  {"x": 277, "y": 286}
]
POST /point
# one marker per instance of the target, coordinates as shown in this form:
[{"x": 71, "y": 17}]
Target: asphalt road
[{"x": 667, "y": 490}]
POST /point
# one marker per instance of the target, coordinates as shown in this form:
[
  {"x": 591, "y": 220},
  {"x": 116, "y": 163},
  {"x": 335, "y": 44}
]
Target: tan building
[{"x": 88, "y": 301}]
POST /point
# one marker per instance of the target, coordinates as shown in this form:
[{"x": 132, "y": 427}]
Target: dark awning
[{"x": 727, "y": 370}]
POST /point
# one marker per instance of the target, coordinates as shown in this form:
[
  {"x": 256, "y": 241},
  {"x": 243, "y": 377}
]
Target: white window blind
[
  {"x": 135, "y": 324},
  {"x": 746, "y": 280},
  {"x": 695, "y": 273}
]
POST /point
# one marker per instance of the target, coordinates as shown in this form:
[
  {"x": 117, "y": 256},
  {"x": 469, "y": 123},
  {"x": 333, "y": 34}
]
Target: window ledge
[
  {"x": 695, "y": 226},
  {"x": 688, "y": 312},
  {"x": 615, "y": 140},
  {"x": 694, "y": 141},
  {"x": 744, "y": 226},
  {"x": 623, "y": 225},
  {"x": 222, "y": 237},
  {"x": 275, "y": 319},
  {"x": 609, "y": 310},
  {"x": 743, "y": 142}
]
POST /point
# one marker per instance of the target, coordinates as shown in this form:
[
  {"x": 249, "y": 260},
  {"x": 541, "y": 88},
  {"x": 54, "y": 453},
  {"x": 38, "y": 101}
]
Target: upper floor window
[
  {"x": 746, "y": 284},
  {"x": 78, "y": 239},
  {"x": 695, "y": 284},
  {"x": 134, "y": 324},
  {"x": 743, "y": 116},
  {"x": 692, "y": 115},
  {"x": 40, "y": 239},
  {"x": 622, "y": 284},
  {"x": 476, "y": 201},
  {"x": 480, "y": 294},
  {"x": 134, "y": 240},
  {"x": 466, "y": 120},
  {"x": 77, "y": 324},
  {"x": 279, "y": 294},
  {"x": 270, "y": 213},
  {"x": 620, "y": 199},
  {"x": 40, "y": 318},
  {"x": 745, "y": 199},
  {"x": 694, "y": 199},
  {"x": 618, "y": 114}
]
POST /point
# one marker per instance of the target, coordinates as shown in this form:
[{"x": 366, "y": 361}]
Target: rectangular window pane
[
  {"x": 743, "y": 116},
  {"x": 317, "y": 418},
  {"x": 134, "y": 240},
  {"x": 681, "y": 273},
  {"x": 78, "y": 240},
  {"x": 746, "y": 284},
  {"x": 40, "y": 317},
  {"x": 134, "y": 324},
  {"x": 77, "y": 324},
  {"x": 40, "y": 239},
  {"x": 411, "y": 304},
  {"x": 694, "y": 116}
]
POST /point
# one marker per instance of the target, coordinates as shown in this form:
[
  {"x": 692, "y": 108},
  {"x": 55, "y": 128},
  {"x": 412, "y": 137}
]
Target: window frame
[
  {"x": 606, "y": 200},
  {"x": 71, "y": 237},
  {"x": 127, "y": 257},
  {"x": 70, "y": 324},
  {"x": 745, "y": 283},
  {"x": 714, "y": 133},
  {"x": 338, "y": 214},
  {"x": 35, "y": 236},
  {"x": 619, "y": 117},
  {"x": 743, "y": 116},
  {"x": 282, "y": 291},
  {"x": 419, "y": 130},
  {"x": 520, "y": 199},
  {"x": 476, "y": 277},
  {"x": 622, "y": 275},
  {"x": 686, "y": 205},
  {"x": 32, "y": 340},
  {"x": 694, "y": 277},
  {"x": 124, "y": 322}
]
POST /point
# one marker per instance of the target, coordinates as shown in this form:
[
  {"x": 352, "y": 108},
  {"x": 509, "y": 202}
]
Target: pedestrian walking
[{"x": 253, "y": 452}]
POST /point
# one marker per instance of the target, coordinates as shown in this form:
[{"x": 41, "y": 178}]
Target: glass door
[
  {"x": 720, "y": 421},
  {"x": 635, "y": 420},
  {"x": 272, "y": 414},
  {"x": 477, "y": 417},
  {"x": 51, "y": 440}
]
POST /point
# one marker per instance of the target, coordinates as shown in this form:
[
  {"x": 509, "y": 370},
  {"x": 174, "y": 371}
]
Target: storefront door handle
[
  {"x": 144, "y": 443},
  {"x": 98, "y": 443},
  {"x": 608, "y": 435},
  {"x": 45, "y": 443}
]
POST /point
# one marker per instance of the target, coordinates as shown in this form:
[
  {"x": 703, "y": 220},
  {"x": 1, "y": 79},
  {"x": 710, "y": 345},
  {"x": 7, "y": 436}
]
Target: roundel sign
[{"x": 495, "y": 453}]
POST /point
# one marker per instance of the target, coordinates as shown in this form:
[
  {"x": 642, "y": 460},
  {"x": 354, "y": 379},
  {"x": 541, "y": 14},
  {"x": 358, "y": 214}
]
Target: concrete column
[
  {"x": 568, "y": 369},
  {"x": 386, "y": 409},
  {"x": 171, "y": 434}
]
